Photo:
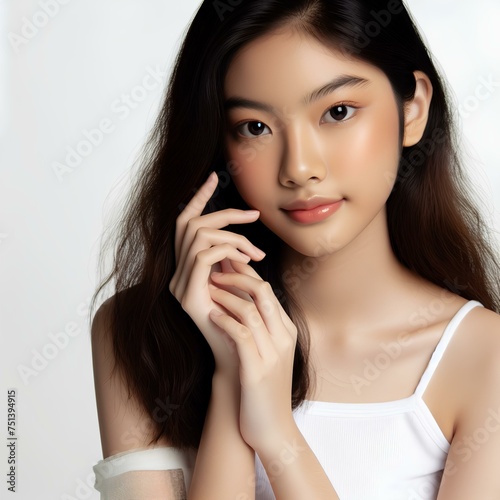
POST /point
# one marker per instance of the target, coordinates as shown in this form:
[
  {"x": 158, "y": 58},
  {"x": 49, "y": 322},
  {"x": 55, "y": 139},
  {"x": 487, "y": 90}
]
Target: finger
[
  {"x": 245, "y": 269},
  {"x": 250, "y": 271},
  {"x": 205, "y": 238},
  {"x": 244, "y": 340},
  {"x": 226, "y": 267},
  {"x": 194, "y": 208},
  {"x": 262, "y": 295},
  {"x": 231, "y": 345},
  {"x": 214, "y": 220},
  {"x": 247, "y": 315},
  {"x": 200, "y": 273}
]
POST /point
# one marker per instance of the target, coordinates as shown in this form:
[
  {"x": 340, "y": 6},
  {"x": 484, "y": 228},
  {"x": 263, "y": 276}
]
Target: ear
[{"x": 416, "y": 111}]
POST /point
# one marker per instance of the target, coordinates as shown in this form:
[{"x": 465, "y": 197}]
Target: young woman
[{"x": 318, "y": 318}]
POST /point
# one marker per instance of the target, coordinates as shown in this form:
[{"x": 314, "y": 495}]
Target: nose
[{"x": 302, "y": 161}]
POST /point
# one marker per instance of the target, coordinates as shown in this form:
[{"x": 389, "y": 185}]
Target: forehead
[{"x": 285, "y": 65}]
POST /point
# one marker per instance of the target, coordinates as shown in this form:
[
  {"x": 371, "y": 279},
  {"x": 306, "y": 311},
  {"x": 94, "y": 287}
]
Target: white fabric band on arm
[{"x": 143, "y": 459}]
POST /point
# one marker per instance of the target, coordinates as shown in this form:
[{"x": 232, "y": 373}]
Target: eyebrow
[{"x": 336, "y": 83}]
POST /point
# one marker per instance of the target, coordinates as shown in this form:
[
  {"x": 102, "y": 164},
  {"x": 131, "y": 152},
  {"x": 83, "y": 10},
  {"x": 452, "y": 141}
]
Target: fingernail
[
  {"x": 212, "y": 176},
  {"x": 253, "y": 212},
  {"x": 214, "y": 312},
  {"x": 260, "y": 252},
  {"x": 216, "y": 275}
]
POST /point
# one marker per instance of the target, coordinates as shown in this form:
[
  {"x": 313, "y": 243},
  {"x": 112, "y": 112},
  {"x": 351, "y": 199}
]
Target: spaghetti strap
[{"x": 442, "y": 344}]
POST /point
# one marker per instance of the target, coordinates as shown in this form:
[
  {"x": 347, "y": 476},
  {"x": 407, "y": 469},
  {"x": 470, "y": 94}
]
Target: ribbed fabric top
[{"x": 393, "y": 450}]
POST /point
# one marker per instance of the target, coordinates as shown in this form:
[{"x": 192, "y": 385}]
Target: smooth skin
[
  {"x": 353, "y": 291},
  {"x": 241, "y": 417},
  {"x": 359, "y": 295},
  {"x": 201, "y": 248}
]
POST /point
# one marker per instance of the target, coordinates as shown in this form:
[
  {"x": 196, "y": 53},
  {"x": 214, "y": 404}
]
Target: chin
[{"x": 324, "y": 246}]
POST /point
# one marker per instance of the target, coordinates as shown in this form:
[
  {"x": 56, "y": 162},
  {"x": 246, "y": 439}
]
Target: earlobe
[{"x": 416, "y": 111}]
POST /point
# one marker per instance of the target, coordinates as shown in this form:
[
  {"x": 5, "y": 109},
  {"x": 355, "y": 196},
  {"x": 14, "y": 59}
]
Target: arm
[
  {"x": 265, "y": 339},
  {"x": 125, "y": 429},
  {"x": 472, "y": 466},
  {"x": 225, "y": 464},
  {"x": 293, "y": 469}
]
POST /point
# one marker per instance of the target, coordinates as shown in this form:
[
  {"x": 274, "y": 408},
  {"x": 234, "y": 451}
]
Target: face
[{"x": 292, "y": 144}]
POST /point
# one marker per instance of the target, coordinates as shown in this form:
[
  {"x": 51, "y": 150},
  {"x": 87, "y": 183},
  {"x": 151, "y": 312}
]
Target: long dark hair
[{"x": 435, "y": 228}]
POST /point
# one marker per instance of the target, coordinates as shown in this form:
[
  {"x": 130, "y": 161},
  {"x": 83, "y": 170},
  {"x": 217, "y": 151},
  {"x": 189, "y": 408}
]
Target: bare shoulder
[
  {"x": 479, "y": 360},
  {"x": 483, "y": 337},
  {"x": 471, "y": 467},
  {"x": 101, "y": 322},
  {"x": 123, "y": 423}
]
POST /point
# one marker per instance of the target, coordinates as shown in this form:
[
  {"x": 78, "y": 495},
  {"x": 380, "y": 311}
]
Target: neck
[{"x": 353, "y": 290}]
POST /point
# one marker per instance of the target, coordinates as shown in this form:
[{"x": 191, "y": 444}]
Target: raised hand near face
[{"x": 200, "y": 248}]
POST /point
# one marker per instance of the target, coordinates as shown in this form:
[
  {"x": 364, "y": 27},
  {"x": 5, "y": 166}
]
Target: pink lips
[{"x": 316, "y": 214}]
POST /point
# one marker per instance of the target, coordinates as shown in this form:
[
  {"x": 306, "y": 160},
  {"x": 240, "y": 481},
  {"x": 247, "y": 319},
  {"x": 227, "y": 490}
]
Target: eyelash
[{"x": 343, "y": 103}]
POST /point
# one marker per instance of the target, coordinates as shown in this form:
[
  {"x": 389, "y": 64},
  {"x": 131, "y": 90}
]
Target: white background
[{"x": 64, "y": 79}]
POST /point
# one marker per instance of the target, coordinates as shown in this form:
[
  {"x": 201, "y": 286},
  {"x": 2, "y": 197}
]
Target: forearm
[
  {"x": 293, "y": 469},
  {"x": 225, "y": 464}
]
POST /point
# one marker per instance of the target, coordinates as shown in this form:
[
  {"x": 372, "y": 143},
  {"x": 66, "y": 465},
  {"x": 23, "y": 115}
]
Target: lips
[
  {"x": 312, "y": 210},
  {"x": 309, "y": 204}
]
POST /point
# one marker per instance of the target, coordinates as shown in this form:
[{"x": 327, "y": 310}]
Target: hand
[
  {"x": 201, "y": 247},
  {"x": 265, "y": 340}
]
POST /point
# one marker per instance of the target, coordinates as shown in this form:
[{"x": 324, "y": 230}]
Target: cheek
[
  {"x": 247, "y": 187},
  {"x": 370, "y": 157},
  {"x": 252, "y": 172}
]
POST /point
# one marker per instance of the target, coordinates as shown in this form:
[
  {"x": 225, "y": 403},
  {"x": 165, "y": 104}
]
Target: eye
[
  {"x": 254, "y": 128},
  {"x": 340, "y": 113}
]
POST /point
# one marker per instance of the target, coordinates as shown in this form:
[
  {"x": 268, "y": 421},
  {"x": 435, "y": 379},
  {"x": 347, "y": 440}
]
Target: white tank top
[{"x": 392, "y": 450}]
